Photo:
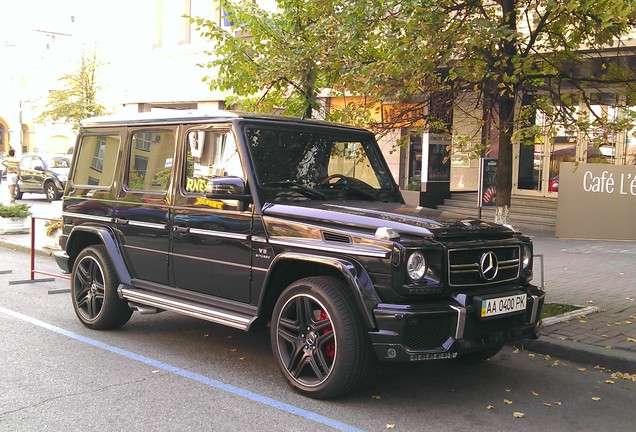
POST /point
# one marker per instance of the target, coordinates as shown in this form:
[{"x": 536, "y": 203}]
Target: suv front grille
[{"x": 465, "y": 265}]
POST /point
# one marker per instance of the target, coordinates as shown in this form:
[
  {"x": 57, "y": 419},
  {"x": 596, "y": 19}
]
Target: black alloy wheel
[
  {"x": 318, "y": 338},
  {"x": 94, "y": 291}
]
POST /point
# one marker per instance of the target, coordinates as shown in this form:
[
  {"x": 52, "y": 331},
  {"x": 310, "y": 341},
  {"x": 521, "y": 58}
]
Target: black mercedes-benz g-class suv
[{"x": 252, "y": 221}]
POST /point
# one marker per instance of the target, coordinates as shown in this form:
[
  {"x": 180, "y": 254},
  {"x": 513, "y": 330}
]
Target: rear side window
[
  {"x": 96, "y": 160},
  {"x": 150, "y": 162}
]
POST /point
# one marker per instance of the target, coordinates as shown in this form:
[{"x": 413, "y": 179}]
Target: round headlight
[
  {"x": 527, "y": 257},
  {"x": 416, "y": 266}
]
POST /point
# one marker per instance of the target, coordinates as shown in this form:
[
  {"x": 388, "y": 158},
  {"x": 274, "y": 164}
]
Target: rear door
[
  {"x": 211, "y": 243},
  {"x": 142, "y": 209}
]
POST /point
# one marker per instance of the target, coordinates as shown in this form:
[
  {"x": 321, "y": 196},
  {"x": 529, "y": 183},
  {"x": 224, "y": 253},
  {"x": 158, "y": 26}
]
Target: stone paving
[{"x": 589, "y": 273}]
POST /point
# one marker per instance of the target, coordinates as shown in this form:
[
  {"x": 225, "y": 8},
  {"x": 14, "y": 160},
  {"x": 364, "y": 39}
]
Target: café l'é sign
[{"x": 597, "y": 201}]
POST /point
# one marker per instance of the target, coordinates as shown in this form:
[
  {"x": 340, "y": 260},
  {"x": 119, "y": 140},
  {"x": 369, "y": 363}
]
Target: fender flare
[
  {"x": 355, "y": 275},
  {"x": 107, "y": 238}
]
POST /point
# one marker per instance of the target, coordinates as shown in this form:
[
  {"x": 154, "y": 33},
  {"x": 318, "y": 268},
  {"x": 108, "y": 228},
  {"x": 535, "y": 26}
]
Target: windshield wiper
[{"x": 304, "y": 190}]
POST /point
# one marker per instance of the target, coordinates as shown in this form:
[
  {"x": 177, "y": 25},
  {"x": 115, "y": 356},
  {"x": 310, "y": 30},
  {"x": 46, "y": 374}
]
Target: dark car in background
[{"x": 43, "y": 173}]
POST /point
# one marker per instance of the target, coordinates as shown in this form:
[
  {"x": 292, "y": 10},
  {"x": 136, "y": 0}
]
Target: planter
[
  {"x": 14, "y": 225},
  {"x": 411, "y": 197}
]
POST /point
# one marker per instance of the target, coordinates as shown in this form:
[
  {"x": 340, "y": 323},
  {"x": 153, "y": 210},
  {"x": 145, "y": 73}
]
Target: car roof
[{"x": 169, "y": 116}]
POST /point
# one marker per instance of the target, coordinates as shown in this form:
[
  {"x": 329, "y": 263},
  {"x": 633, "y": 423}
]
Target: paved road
[{"x": 169, "y": 372}]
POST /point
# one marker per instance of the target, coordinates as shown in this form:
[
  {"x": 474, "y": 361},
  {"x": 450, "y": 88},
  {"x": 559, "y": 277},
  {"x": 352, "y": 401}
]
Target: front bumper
[{"x": 442, "y": 330}]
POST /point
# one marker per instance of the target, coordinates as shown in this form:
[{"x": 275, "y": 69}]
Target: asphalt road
[{"x": 174, "y": 373}]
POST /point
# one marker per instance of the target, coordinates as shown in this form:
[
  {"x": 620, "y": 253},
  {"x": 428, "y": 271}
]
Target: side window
[
  {"x": 150, "y": 162},
  {"x": 25, "y": 163},
  {"x": 37, "y": 163},
  {"x": 96, "y": 160},
  {"x": 211, "y": 154}
]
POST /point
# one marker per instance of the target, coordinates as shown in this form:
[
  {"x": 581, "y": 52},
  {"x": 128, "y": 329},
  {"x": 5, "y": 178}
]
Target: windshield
[
  {"x": 319, "y": 163},
  {"x": 58, "y": 162}
]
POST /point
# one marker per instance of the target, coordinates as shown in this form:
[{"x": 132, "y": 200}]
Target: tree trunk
[
  {"x": 506, "y": 103},
  {"x": 503, "y": 178}
]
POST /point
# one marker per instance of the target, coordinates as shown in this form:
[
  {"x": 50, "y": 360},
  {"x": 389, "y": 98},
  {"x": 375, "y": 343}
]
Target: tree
[
  {"x": 278, "y": 61},
  {"x": 78, "y": 99},
  {"x": 517, "y": 56}
]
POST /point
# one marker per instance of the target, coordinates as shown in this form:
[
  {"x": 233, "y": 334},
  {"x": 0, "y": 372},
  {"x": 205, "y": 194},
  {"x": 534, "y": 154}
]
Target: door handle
[
  {"x": 180, "y": 229},
  {"x": 120, "y": 221}
]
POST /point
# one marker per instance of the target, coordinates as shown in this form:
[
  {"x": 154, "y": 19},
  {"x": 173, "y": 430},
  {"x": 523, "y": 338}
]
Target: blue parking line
[{"x": 188, "y": 374}]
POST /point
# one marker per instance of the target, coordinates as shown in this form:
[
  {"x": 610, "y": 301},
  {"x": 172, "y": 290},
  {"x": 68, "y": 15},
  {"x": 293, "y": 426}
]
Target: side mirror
[
  {"x": 232, "y": 187},
  {"x": 38, "y": 168}
]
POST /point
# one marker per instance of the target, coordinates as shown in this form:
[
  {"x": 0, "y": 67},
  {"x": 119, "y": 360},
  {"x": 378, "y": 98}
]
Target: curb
[
  {"x": 583, "y": 311},
  {"x": 615, "y": 360},
  {"x": 18, "y": 247}
]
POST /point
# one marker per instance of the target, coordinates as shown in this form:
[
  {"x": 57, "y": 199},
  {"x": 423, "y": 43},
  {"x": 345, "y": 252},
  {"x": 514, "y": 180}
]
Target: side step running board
[{"x": 208, "y": 313}]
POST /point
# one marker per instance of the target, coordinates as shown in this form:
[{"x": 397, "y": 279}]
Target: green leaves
[{"x": 77, "y": 100}]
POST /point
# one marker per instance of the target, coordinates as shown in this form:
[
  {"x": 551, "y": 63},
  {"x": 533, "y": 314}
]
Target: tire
[
  {"x": 51, "y": 191},
  {"x": 318, "y": 338},
  {"x": 480, "y": 356},
  {"x": 94, "y": 291}
]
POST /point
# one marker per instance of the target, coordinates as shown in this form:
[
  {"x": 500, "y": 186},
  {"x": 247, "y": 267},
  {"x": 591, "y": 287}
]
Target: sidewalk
[
  {"x": 599, "y": 276},
  {"x": 592, "y": 274}
]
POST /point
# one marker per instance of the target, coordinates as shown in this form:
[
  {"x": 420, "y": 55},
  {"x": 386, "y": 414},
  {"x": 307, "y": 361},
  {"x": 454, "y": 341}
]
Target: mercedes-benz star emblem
[{"x": 488, "y": 266}]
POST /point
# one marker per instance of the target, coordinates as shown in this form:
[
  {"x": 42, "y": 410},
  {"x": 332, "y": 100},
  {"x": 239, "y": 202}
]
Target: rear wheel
[
  {"x": 17, "y": 194},
  {"x": 51, "y": 191},
  {"x": 94, "y": 291},
  {"x": 318, "y": 338}
]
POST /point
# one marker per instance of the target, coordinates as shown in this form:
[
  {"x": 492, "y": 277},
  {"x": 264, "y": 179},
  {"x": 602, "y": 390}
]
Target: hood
[{"x": 406, "y": 220}]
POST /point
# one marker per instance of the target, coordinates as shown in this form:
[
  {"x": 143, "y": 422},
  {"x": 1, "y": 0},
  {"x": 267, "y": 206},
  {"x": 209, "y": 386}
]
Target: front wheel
[
  {"x": 94, "y": 291},
  {"x": 51, "y": 191},
  {"x": 318, "y": 338}
]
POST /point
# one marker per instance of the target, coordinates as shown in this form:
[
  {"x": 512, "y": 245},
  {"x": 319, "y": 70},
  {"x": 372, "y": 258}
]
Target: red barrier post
[{"x": 33, "y": 271}]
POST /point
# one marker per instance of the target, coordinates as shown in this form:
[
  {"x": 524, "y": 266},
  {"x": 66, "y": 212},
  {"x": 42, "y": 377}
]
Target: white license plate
[{"x": 503, "y": 305}]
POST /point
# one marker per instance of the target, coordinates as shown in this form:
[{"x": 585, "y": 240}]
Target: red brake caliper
[{"x": 330, "y": 348}]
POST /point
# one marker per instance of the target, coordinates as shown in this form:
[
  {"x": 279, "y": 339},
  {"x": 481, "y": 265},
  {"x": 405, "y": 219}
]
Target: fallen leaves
[
  {"x": 596, "y": 398},
  {"x": 390, "y": 425},
  {"x": 507, "y": 401},
  {"x": 518, "y": 414},
  {"x": 624, "y": 376}
]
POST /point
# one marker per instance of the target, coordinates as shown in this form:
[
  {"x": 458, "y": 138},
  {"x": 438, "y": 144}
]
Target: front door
[{"x": 210, "y": 237}]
